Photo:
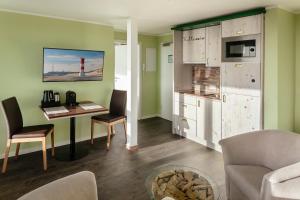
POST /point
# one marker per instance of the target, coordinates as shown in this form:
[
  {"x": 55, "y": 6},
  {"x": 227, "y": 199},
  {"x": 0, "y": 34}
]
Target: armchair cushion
[
  {"x": 247, "y": 178},
  {"x": 74, "y": 187}
]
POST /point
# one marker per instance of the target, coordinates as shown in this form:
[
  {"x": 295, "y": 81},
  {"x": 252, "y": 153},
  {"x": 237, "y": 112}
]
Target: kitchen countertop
[{"x": 201, "y": 94}]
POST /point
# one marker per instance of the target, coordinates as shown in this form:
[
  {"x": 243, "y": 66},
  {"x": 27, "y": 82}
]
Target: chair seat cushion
[
  {"x": 247, "y": 178},
  {"x": 33, "y": 131},
  {"x": 108, "y": 118}
]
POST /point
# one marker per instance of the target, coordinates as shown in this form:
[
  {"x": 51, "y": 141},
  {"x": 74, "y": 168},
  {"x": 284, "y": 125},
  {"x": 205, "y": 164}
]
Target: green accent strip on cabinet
[{"x": 217, "y": 20}]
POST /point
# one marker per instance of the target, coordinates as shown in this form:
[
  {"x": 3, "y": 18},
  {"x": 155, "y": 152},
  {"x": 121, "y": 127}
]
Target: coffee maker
[
  {"x": 50, "y": 99},
  {"x": 71, "y": 98}
]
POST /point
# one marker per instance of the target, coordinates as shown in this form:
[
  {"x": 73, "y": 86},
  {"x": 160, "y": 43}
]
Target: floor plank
[{"x": 120, "y": 174}]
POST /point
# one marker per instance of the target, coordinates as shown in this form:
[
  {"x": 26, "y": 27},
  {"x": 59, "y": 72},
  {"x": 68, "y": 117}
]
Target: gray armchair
[
  {"x": 262, "y": 165},
  {"x": 74, "y": 187}
]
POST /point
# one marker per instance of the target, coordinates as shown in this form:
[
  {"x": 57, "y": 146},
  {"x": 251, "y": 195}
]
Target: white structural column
[{"x": 132, "y": 85}]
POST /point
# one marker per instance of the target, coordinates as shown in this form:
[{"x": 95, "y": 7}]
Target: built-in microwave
[{"x": 241, "y": 49}]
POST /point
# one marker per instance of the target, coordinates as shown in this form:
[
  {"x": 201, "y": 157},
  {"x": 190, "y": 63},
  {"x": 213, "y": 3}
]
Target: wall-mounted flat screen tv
[{"x": 66, "y": 65}]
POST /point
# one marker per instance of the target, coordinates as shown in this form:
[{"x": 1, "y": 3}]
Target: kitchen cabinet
[
  {"x": 197, "y": 118},
  {"x": 240, "y": 114},
  {"x": 242, "y": 94},
  {"x": 242, "y": 26},
  {"x": 185, "y": 115},
  {"x": 213, "y": 46},
  {"x": 194, "y": 46},
  {"x": 241, "y": 78},
  {"x": 209, "y": 120}
]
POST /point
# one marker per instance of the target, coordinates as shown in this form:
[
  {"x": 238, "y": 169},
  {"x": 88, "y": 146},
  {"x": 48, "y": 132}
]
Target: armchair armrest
[
  {"x": 284, "y": 173},
  {"x": 282, "y": 183}
]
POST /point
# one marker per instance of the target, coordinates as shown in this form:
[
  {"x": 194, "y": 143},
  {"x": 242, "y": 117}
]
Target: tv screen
[{"x": 62, "y": 65}]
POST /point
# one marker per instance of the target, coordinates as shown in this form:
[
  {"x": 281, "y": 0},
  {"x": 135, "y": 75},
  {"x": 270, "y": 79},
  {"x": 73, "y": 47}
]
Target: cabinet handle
[
  {"x": 207, "y": 61},
  {"x": 198, "y": 103},
  {"x": 184, "y": 105},
  {"x": 238, "y": 65},
  {"x": 224, "y": 98}
]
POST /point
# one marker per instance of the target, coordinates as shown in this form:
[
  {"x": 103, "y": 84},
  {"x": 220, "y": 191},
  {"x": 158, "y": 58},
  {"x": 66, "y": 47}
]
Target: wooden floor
[{"x": 120, "y": 174}]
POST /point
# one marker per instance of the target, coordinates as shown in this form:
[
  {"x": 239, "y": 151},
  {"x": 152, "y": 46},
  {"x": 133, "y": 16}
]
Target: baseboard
[
  {"x": 149, "y": 116},
  {"x": 57, "y": 144},
  {"x": 208, "y": 144},
  {"x": 132, "y": 148}
]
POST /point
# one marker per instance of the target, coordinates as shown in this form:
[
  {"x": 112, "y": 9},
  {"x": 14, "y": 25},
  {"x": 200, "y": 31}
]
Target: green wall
[
  {"x": 149, "y": 100},
  {"x": 297, "y": 73},
  {"x": 22, "y": 38},
  {"x": 279, "y": 69}
]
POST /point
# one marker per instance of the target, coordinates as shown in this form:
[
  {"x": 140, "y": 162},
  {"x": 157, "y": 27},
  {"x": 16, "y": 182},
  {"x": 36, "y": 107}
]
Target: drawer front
[
  {"x": 188, "y": 127},
  {"x": 188, "y": 111},
  {"x": 189, "y": 99}
]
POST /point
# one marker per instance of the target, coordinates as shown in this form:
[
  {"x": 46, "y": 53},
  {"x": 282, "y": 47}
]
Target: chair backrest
[
  {"x": 77, "y": 186},
  {"x": 118, "y": 103},
  {"x": 13, "y": 115},
  {"x": 269, "y": 148}
]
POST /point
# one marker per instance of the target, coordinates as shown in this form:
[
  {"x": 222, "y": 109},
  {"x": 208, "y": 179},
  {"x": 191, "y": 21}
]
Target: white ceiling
[{"x": 153, "y": 16}]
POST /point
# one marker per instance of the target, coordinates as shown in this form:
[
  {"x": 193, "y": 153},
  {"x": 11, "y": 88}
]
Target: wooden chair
[
  {"x": 115, "y": 116},
  {"x": 18, "y": 134}
]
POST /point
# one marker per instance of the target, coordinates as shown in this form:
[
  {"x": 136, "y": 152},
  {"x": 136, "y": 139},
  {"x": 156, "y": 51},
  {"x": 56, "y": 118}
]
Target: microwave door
[
  {"x": 241, "y": 49},
  {"x": 236, "y": 51}
]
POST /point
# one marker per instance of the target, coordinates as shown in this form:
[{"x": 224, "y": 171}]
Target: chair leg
[
  {"x": 108, "y": 136},
  {"x": 8, "y": 144},
  {"x": 113, "y": 130},
  {"x": 92, "y": 131},
  {"x": 17, "y": 150},
  {"x": 125, "y": 129},
  {"x": 52, "y": 144},
  {"x": 44, "y": 153}
]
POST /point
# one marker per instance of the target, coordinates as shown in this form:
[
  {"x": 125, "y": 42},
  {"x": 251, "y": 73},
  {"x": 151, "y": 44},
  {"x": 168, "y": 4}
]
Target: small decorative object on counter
[
  {"x": 56, "y": 97},
  {"x": 50, "y": 99}
]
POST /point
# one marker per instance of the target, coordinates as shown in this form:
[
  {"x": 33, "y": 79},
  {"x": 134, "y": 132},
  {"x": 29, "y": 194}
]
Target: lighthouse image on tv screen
[{"x": 72, "y": 65}]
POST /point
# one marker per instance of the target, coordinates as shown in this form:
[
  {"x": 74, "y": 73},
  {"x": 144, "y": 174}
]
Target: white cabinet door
[
  {"x": 213, "y": 46},
  {"x": 186, "y": 46},
  {"x": 241, "y": 78},
  {"x": 209, "y": 120},
  {"x": 230, "y": 115},
  {"x": 216, "y": 121},
  {"x": 242, "y": 26},
  {"x": 194, "y": 46},
  {"x": 240, "y": 114},
  {"x": 202, "y": 128},
  {"x": 230, "y": 80}
]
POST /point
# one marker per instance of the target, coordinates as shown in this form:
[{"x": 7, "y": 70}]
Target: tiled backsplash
[{"x": 206, "y": 79}]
